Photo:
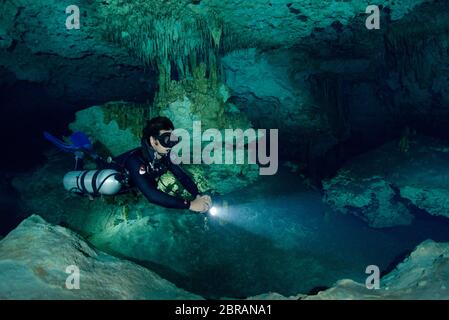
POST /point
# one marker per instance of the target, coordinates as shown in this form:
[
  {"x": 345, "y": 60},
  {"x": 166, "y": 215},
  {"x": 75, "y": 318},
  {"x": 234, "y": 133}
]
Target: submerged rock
[
  {"x": 423, "y": 275},
  {"x": 386, "y": 185},
  {"x": 373, "y": 199},
  {"x": 115, "y": 126},
  {"x": 34, "y": 258},
  {"x": 275, "y": 296}
]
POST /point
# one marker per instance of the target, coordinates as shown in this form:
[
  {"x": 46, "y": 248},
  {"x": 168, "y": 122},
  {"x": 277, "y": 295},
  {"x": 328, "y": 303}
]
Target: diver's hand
[
  {"x": 208, "y": 201},
  {"x": 201, "y": 204}
]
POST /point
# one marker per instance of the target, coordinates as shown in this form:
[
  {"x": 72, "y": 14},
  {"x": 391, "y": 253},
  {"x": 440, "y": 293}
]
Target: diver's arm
[
  {"x": 184, "y": 178},
  {"x": 150, "y": 191}
]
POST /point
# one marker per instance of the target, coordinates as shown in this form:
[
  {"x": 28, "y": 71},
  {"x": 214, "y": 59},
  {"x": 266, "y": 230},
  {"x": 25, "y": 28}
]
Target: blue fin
[{"x": 79, "y": 142}]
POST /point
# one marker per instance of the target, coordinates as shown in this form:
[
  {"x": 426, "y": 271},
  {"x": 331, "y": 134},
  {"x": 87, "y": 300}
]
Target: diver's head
[{"x": 158, "y": 133}]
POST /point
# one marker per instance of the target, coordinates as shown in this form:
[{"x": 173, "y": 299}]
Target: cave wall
[
  {"x": 333, "y": 87},
  {"x": 345, "y": 89},
  {"x": 47, "y": 72},
  {"x": 75, "y": 65}
]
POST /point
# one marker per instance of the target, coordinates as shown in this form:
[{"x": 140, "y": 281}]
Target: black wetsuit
[{"x": 144, "y": 170}]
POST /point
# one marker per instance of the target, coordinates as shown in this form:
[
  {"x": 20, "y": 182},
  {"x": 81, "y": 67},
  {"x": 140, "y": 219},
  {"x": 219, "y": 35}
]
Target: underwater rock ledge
[
  {"x": 34, "y": 258},
  {"x": 385, "y": 186},
  {"x": 423, "y": 275}
]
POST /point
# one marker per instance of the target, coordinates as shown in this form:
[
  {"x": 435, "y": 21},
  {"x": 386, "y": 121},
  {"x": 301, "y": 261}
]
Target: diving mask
[{"x": 168, "y": 139}]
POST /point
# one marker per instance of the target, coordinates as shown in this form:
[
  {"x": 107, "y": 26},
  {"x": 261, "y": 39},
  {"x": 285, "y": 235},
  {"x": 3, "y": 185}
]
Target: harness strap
[
  {"x": 81, "y": 181},
  {"x": 94, "y": 182}
]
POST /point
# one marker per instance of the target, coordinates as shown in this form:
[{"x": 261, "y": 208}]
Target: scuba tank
[
  {"x": 94, "y": 182},
  {"x": 91, "y": 182}
]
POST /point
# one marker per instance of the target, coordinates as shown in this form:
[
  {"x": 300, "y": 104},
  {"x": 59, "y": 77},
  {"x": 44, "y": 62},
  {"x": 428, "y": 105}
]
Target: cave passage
[{"x": 362, "y": 115}]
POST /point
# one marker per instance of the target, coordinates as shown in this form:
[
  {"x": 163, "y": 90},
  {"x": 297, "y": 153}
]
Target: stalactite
[{"x": 161, "y": 34}]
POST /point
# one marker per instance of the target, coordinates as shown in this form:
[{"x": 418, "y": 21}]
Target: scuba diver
[{"x": 139, "y": 168}]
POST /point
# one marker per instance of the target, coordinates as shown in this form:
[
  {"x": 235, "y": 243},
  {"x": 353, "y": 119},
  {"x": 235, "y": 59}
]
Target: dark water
[
  {"x": 9, "y": 205},
  {"x": 280, "y": 237}
]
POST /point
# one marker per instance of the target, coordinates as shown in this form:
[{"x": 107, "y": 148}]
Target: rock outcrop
[
  {"x": 35, "y": 256},
  {"x": 385, "y": 186},
  {"x": 423, "y": 275}
]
